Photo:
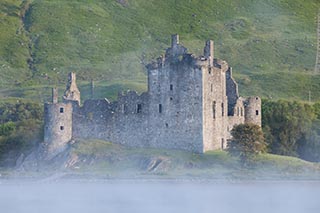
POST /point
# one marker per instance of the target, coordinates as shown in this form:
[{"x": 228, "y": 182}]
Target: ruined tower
[
  {"x": 72, "y": 92},
  {"x": 58, "y": 118},
  {"x": 58, "y": 127}
]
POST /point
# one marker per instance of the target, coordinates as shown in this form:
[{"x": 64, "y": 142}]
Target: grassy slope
[
  {"x": 13, "y": 44},
  {"x": 270, "y": 43},
  {"x": 110, "y": 160}
]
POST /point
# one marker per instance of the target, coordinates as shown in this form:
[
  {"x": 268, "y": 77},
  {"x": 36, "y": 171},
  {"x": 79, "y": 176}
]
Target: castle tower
[
  {"x": 253, "y": 110},
  {"x": 72, "y": 92},
  {"x": 57, "y": 125}
]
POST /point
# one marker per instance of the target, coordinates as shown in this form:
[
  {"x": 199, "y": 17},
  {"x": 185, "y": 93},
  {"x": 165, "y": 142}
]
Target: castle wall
[
  {"x": 92, "y": 119},
  {"x": 237, "y": 116},
  {"x": 129, "y": 124},
  {"x": 232, "y": 91}
]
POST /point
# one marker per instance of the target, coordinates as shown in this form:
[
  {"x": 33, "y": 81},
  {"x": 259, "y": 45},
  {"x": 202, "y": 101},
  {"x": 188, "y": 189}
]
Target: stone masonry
[{"x": 191, "y": 104}]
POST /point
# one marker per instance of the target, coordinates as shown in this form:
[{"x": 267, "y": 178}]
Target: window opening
[
  {"x": 257, "y": 112},
  {"x": 124, "y": 108},
  {"x": 214, "y": 110},
  {"x": 139, "y": 108},
  {"x": 61, "y": 128},
  {"x": 160, "y": 108},
  {"x": 171, "y": 87},
  {"x": 222, "y": 109},
  {"x": 61, "y": 110},
  {"x": 222, "y": 143}
]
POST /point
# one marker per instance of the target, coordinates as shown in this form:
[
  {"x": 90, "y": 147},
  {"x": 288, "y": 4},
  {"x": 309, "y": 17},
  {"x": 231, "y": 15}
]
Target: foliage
[
  {"x": 309, "y": 147},
  {"x": 292, "y": 128},
  {"x": 21, "y": 129},
  {"x": 246, "y": 143},
  {"x": 7, "y": 128},
  {"x": 20, "y": 111},
  {"x": 316, "y": 108},
  {"x": 285, "y": 124}
]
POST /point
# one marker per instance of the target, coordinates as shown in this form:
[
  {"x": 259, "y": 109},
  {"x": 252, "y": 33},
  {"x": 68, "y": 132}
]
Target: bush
[{"x": 246, "y": 143}]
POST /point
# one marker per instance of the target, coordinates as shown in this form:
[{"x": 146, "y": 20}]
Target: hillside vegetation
[{"x": 270, "y": 43}]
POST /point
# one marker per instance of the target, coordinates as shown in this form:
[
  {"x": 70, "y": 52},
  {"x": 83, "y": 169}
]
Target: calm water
[{"x": 139, "y": 197}]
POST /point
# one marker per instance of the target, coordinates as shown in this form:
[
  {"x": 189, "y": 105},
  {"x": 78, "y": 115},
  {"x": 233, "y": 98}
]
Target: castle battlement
[{"x": 192, "y": 103}]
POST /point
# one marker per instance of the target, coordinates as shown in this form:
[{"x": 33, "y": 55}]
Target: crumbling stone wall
[{"x": 72, "y": 92}]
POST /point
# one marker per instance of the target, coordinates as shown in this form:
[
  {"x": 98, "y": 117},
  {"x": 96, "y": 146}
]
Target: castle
[{"x": 191, "y": 104}]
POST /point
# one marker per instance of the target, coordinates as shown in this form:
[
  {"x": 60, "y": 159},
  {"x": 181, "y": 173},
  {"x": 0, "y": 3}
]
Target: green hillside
[{"x": 270, "y": 43}]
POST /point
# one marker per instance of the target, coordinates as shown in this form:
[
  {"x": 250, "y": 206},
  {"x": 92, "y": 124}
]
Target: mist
[{"x": 159, "y": 196}]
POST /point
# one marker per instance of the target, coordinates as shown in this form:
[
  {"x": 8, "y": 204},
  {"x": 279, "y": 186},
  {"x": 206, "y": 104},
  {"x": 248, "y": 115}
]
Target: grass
[
  {"x": 271, "y": 44},
  {"x": 104, "y": 159}
]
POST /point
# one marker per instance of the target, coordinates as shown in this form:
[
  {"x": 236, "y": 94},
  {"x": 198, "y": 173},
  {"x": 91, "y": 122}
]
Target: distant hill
[{"x": 271, "y": 44}]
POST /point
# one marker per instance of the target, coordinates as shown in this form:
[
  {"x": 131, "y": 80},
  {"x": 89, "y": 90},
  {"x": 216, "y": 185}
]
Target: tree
[
  {"x": 286, "y": 124},
  {"x": 246, "y": 143}
]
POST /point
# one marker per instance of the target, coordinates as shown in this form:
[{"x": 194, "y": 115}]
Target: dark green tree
[
  {"x": 246, "y": 143},
  {"x": 309, "y": 145},
  {"x": 285, "y": 125}
]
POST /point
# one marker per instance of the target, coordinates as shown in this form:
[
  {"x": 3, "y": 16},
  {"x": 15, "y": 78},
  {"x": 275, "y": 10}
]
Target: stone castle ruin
[{"x": 191, "y": 104}]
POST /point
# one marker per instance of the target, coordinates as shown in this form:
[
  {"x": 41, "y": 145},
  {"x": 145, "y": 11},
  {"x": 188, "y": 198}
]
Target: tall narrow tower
[{"x": 317, "y": 65}]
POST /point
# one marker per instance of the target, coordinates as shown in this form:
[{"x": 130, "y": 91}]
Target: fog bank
[{"x": 178, "y": 197}]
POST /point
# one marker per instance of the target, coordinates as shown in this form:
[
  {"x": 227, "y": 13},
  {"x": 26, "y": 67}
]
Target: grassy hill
[{"x": 270, "y": 43}]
